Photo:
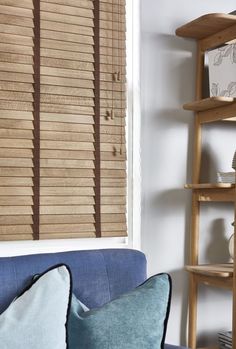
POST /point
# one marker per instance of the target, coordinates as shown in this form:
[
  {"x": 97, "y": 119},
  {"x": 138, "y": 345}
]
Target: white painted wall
[{"x": 167, "y": 81}]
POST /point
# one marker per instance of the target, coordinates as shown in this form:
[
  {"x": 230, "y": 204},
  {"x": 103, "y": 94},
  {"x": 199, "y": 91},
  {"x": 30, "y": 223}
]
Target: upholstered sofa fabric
[{"x": 98, "y": 276}]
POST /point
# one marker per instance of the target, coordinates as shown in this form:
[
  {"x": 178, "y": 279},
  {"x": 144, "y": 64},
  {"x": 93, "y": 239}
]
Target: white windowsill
[{"x": 18, "y": 248}]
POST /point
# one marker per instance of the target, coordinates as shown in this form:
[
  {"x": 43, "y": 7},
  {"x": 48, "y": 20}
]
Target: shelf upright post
[
  {"x": 234, "y": 276},
  {"x": 193, "y": 286}
]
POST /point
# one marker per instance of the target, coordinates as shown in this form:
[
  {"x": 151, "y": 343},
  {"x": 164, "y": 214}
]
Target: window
[{"x": 62, "y": 124}]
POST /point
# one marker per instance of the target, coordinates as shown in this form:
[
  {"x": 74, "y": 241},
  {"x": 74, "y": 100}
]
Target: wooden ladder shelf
[{"x": 210, "y": 31}]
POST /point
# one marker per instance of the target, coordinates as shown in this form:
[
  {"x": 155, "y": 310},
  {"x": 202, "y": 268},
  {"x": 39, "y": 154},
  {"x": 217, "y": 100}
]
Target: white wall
[{"x": 167, "y": 81}]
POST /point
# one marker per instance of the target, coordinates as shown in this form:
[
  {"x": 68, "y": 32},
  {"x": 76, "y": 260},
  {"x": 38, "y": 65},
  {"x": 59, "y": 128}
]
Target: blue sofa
[{"x": 98, "y": 275}]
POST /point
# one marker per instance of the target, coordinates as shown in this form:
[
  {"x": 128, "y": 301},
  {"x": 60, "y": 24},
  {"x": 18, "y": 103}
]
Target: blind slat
[
  {"x": 71, "y": 200},
  {"x": 68, "y": 73},
  {"x": 66, "y": 28},
  {"x": 16, "y": 191},
  {"x": 55, "y": 108},
  {"x": 72, "y": 118},
  {"x": 17, "y": 181},
  {"x": 63, "y": 56},
  {"x": 16, "y": 172},
  {"x": 67, "y": 154},
  {"x": 55, "y": 17},
  {"x": 16, "y": 11},
  {"x": 67, "y": 127},
  {"x": 67, "y": 10},
  {"x": 25, "y": 134},
  {"x": 16, "y": 20},
  {"x": 66, "y": 172},
  {"x": 76, "y": 3},
  {"x": 67, "y": 37},
  {"x": 71, "y": 219},
  {"x": 62, "y": 163},
  {"x": 15, "y": 162},
  {"x": 70, "y": 182},
  {"x": 14, "y": 229},
  {"x": 69, "y": 82},
  {"x": 70, "y": 228},
  {"x": 67, "y": 101},
  {"x": 16, "y": 153},
  {"x": 60, "y": 191},
  {"x": 113, "y": 218},
  {"x": 23, "y": 3},
  {"x": 65, "y": 209},
  {"x": 16, "y": 220},
  {"x": 15, "y": 39},
  {"x": 16, "y": 210},
  {"x": 66, "y": 91},
  {"x": 16, "y": 200},
  {"x": 12, "y": 29},
  {"x": 66, "y": 46},
  {"x": 67, "y": 235}
]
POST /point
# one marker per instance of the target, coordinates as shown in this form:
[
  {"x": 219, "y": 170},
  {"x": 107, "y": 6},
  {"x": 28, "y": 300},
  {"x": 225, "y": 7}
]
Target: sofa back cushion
[{"x": 99, "y": 276}]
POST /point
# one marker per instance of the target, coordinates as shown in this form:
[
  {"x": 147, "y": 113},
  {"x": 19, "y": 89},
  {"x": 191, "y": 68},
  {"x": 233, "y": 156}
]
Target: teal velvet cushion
[
  {"x": 136, "y": 320},
  {"x": 76, "y": 310},
  {"x": 37, "y": 318}
]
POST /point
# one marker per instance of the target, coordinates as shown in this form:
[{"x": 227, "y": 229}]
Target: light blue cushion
[
  {"x": 137, "y": 319},
  {"x": 37, "y": 318}
]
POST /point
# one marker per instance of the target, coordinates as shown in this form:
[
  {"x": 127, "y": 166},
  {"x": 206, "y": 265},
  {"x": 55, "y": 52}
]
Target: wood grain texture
[
  {"x": 206, "y": 25},
  {"x": 16, "y": 11},
  {"x": 77, "y": 3},
  {"x": 66, "y": 172},
  {"x": 65, "y": 209},
  {"x": 67, "y": 182},
  {"x": 67, "y": 219},
  {"x": 23, "y": 3},
  {"x": 55, "y": 17},
  {"x": 67, "y": 228},
  {"x": 66, "y": 28},
  {"x": 66, "y": 154},
  {"x": 219, "y": 38},
  {"x": 208, "y": 103},
  {"x": 221, "y": 270},
  {"x": 67, "y": 235}
]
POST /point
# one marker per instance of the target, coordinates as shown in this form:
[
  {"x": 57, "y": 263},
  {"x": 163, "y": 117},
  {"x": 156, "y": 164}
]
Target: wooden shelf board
[
  {"x": 209, "y": 103},
  {"x": 230, "y": 119},
  {"x": 206, "y": 25},
  {"x": 209, "y": 186},
  {"x": 212, "y": 270},
  {"x": 209, "y": 347},
  {"x": 208, "y": 192}
]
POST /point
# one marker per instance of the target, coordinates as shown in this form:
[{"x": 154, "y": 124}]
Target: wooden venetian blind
[{"x": 62, "y": 119}]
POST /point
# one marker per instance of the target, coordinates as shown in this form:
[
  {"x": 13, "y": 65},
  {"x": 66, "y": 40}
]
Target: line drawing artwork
[{"x": 227, "y": 51}]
